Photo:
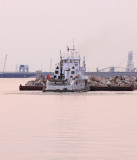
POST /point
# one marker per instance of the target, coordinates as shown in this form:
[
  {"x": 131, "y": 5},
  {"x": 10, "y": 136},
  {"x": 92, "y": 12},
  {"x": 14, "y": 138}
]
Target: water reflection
[{"x": 61, "y": 126}]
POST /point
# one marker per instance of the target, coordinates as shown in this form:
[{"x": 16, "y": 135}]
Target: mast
[
  {"x": 60, "y": 65},
  {"x": 4, "y": 63}
]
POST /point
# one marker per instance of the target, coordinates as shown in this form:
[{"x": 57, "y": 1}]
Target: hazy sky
[{"x": 32, "y": 31}]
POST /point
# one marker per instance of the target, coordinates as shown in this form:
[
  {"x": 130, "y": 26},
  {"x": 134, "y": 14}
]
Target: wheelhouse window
[
  {"x": 56, "y": 72},
  {"x": 72, "y": 72}
]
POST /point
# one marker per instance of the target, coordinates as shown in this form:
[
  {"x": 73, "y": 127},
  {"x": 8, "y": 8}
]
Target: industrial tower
[{"x": 130, "y": 64}]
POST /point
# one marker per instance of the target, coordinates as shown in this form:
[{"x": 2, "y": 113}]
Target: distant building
[{"x": 23, "y": 68}]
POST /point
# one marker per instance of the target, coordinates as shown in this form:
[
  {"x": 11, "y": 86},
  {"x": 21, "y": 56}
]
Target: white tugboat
[{"x": 69, "y": 76}]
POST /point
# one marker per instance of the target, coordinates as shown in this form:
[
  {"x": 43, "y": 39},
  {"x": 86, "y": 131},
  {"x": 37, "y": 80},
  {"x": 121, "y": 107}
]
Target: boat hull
[
  {"x": 82, "y": 90},
  {"x": 73, "y": 86}
]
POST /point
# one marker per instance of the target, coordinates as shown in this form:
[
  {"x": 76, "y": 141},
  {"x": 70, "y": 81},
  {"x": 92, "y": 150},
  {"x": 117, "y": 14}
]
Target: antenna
[
  {"x": 50, "y": 64},
  {"x": 4, "y": 63},
  {"x": 73, "y": 44},
  {"x": 60, "y": 54}
]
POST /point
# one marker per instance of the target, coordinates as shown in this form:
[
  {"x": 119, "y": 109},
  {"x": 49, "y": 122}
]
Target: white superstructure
[{"x": 69, "y": 75}]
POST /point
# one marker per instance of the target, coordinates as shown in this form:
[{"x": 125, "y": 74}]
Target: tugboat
[{"x": 69, "y": 75}]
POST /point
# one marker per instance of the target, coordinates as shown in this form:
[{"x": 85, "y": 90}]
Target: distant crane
[
  {"x": 4, "y": 63},
  {"x": 129, "y": 68},
  {"x": 130, "y": 64}
]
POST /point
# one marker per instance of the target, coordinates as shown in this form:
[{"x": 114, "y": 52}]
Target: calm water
[{"x": 62, "y": 126}]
